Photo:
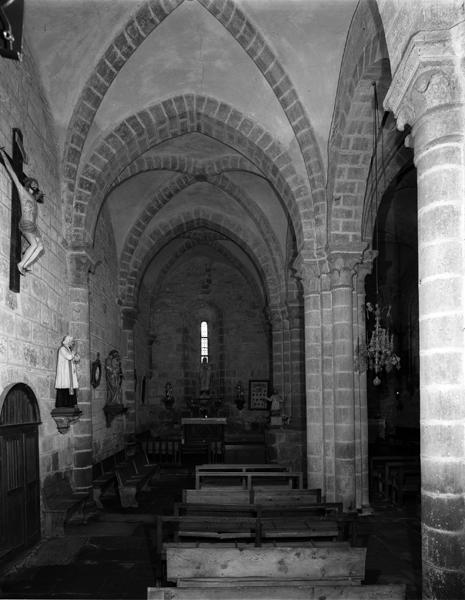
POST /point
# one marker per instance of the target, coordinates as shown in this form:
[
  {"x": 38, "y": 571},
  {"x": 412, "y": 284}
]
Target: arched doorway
[{"x": 19, "y": 471}]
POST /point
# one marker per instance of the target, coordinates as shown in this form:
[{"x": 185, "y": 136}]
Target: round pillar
[{"x": 427, "y": 93}]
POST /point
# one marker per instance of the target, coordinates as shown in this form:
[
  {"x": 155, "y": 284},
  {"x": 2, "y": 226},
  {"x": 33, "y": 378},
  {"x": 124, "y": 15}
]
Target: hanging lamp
[{"x": 380, "y": 355}]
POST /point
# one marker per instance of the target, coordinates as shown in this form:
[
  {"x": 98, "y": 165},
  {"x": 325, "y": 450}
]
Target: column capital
[
  {"x": 428, "y": 75},
  {"x": 364, "y": 268},
  {"x": 294, "y": 314},
  {"x": 310, "y": 269},
  {"x": 275, "y": 315},
  {"x": 342, "y": 264},
  {"x": 128, "y": 317}
]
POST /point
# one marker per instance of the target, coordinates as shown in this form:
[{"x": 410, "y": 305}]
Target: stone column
[
  {"x": 278, "y": 356},
  {"x": 296, "y": 387},
  {"x": 80, "y": 263},
  {"x": 128, "y": 320},
  {"x": 317, "y": 474},
  {"x": 342, "y": 274},
  {"x": 427, "y": 92},
  {"x": 360, "y": 383}
]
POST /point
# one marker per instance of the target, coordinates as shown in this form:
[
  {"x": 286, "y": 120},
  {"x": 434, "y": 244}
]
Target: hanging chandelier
[
  {"x": 379, "y": 352},
  {"x": 380, "y": 349}
]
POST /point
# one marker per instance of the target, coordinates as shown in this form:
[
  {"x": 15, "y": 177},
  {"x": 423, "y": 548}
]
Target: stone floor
[{"x": 112, "y": 555}]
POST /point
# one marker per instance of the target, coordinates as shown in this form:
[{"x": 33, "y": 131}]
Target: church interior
[{"x": 232, "y": 263}]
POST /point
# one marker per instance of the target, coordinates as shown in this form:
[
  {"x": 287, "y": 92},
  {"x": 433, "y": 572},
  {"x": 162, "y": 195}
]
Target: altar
[{"x": 204, "y": 435}]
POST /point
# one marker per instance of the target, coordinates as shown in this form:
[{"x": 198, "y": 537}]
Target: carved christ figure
[{"x": 29, "y": 196}]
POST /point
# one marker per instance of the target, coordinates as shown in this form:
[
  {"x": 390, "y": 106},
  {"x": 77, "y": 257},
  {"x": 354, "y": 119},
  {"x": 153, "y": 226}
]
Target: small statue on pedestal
[
  {"x": 275, "y": 403},
  {"x": 114, "y": 377},
  {"x": 66, "y": 381},
  {"x": 205, "y": 378}
]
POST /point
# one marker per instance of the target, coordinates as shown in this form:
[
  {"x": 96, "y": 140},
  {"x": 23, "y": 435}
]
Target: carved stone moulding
[{"x": 64, "y": 416}]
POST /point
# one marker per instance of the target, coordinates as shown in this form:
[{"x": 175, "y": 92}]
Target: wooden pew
[
  {"x": 333, "y": 509},
  {"x": 295, "y": 565},
  {"x": 289, "y": 592},
  {"x": 230, "y": 495},
  {"x": 132, "y": 476},
  {"x": 104, "y": 475},
  {"x": 247, "y": 480},
  {"x": 205, "y": 469},
  {"x": 240, "y": 527},
  {"x": 328, "y": 510}
]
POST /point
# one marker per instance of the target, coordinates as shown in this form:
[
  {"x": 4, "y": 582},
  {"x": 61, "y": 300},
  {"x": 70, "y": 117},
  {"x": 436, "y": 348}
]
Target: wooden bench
[
  {"x": 164, "y": 451},
  {"x": 242, "y": 591},
  {"x": 240, "y": 527},
  {"x": 230, "y": 495},
  {"x": 104, "y": 475},
  {"x": 61, "y": 504},
  {"x": 258, "y": 510},
  {"x": 247, "y": 480},
  {"x": 235, "y": 468},
  {"x": 132, "y": 476},
  {"x": 281, "y": 565}
]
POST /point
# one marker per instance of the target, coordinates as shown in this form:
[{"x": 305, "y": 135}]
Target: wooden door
[{"x": 19, "y": 473}]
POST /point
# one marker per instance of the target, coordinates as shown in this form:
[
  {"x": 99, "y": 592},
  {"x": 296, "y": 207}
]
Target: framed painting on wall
[{"x": 258, "y": 394}]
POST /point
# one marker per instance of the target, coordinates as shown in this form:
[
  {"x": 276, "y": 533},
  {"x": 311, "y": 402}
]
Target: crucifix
[
  {"x": 24, "y": 211},
  {"x": 18, "y": 159}
]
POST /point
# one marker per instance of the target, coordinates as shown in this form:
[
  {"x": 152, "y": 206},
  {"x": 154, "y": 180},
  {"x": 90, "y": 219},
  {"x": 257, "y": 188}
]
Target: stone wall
[
  {"x": 142, "y": 362},
  {"x": 105, "y": 334},
  {"x": 34, "y": 321},
  {"x": 238, "y": 341}
]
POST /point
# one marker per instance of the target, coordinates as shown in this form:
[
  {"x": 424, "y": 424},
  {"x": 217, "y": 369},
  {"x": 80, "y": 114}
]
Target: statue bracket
[
  {"x": 113, "y": 410},
  {"x": 64, "y": 416}
]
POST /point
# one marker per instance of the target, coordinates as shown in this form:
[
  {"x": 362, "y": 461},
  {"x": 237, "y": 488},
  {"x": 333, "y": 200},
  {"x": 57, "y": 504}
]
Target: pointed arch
[{"x": 174, "y": 117}]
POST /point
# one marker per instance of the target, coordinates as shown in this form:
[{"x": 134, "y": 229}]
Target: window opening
[{"x": 203, "y": 341}]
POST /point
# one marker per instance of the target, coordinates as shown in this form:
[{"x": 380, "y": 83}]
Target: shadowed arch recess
[
  {"x": 176, "y": 185},
  {"x": 254, "y": 248}
]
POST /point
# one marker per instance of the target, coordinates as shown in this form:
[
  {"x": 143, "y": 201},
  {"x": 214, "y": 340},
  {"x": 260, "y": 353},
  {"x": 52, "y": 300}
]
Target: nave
[{"x": 114, "y": 555}]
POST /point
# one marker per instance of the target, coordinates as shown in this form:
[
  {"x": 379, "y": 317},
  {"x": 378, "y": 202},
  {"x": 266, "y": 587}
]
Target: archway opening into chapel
[{"x": 393, "y": 396}]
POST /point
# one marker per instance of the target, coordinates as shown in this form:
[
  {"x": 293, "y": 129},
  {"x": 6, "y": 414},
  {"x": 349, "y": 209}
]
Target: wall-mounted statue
[
  {"x": 114, "y": 377},
  {"x": 29, "y": 195},
  {"x": 66, "y": 381},
  {"x": 205, "y": 377}
]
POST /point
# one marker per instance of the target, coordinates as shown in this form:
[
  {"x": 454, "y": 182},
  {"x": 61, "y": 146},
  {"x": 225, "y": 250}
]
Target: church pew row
[
  {"x": 321, "y": 509},
  {"x": 288, "y": 592},
  {"x": 241, "y": 467},
  {"x": 328, "y": 510},
  {"x": 236, "y": 468},
  {"x": 295, "y": 565},
  {"x": 252, "y": 496},
  {"x": 242, "y": 528},
  {"x": 132, "y": 476},
  {"x": 249, "y": 479}
]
